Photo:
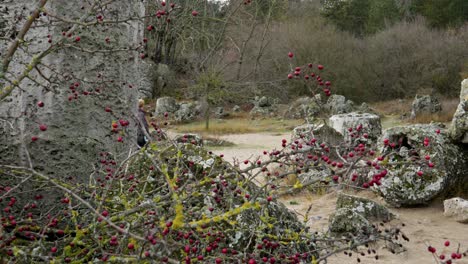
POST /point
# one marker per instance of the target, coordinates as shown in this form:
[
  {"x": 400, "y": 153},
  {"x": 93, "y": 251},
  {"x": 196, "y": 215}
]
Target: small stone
[{"x": 457, "y": 208}]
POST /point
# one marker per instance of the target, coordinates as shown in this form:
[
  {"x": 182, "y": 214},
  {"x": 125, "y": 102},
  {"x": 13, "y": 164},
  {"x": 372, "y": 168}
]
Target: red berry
[
  {"x": 34, "y": 138},
  {"x": 447, "y": 243},
  {"x": 131, "y": 246},
  {"x": 40, "y": 104},
  {"x": 290, "y": 54},
  {"x": 43, "y": 127},
  {"x": 194, "y": 13},
  {"x": 420, "y": 173},
  {"x": 77, "y": 39},
  {"x": 320, "y": 67}
]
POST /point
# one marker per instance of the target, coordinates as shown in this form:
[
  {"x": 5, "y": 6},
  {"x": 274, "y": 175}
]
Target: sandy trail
[{"x": 424, "y": 225}]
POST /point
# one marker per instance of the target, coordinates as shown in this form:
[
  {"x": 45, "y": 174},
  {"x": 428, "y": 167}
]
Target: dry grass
[
  {"x": 449, "y": 106},
  {"x": 402, "y": 107},
  {"x": 393, "y": 107},
  {"x": 238, "y": 126}
]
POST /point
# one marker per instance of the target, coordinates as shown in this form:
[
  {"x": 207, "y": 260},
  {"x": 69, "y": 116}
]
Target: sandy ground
[{"x": 424, "y": 225}]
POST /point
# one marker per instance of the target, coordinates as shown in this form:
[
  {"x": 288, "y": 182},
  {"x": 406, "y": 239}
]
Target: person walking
[{"x": 143, "y": 128}]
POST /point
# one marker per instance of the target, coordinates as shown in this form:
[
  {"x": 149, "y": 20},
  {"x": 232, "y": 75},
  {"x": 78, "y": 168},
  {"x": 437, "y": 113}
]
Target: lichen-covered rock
[
  {"x": 402, "y": 186},
  {"x": 457, "y": 208},
  {"x": 354, "y": 213},
  {"x": 219, "y": 112},
  {"x": 78, "y": 127},
  {"x": 370, "y": 123},
  {"x": 459, "y": 126},
  {"x": 346, "y": 220},
  {"x": 263, "y": 106},
  {"x": 338, "y": 104},
  {"x": 304, "y": 107},
  {"x": 166, "y": 105},
  {"x": 425, "y": 104},
  {"x": 322, "y": 133},
  {"x": 368, "y": 208},
  {"x": 186, "y": 112},
  {"x": 236, "y": 109}
]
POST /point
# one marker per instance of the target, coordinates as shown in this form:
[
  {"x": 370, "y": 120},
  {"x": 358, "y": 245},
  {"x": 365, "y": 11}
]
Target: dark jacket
[{"x": 141, "y": 138}]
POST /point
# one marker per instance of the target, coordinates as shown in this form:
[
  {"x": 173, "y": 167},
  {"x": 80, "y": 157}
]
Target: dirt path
[{"x": 424, "y": 225}]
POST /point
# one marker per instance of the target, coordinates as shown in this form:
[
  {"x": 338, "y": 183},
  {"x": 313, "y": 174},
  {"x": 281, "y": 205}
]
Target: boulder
[
  {"x": 166, "y": 105},
  {"x": 263, "y": 106},
  {"x": 321, "y": 132},
  {"x": 186, "y": 112},
  {"x": 459, "y": 126},
  {"x": 236, "y": 109},
  {"x": 457, "y": 208},
  {"x": 368, "y": 208},
  {"x": 354, "y": 214},
  {"x": 263, "y": 101},
  {"x": 370, "y": 124},
  {"x": 219, "y": 113},
  {"x": 425, "y": 104},
  {"x": 345, "y": 220},
  {"x": 338, "y": 104},
  {"x": 304, "y": 107},
  {"x": 402, "y": 186}
]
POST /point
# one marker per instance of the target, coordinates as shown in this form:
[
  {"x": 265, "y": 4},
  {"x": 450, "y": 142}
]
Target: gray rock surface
[
  {"x": 186, "y": 112},
  {"x": 236, "y": 109},
  {"x": 457, "y": 208},
  {"x": 219, "y": 113},
  {"x": 263, "y": 106},
  {"x": 370, "y": 124},
  {"x": 338, "y": 104},
  {"x": 368, "y": 208},
  {"x": 304, "y": 107},
  {"x": 166, "y": 105},
  {"x": 425, "y": 104},
  {"x": 402, "y": 186},
  {"x": 345, "y": 220},
  {"x": 355, "y": 213},
  {"x": 459, "y": 126},
  {"x": 78, "y": 130},
  {"x": 321, "y": 132}
]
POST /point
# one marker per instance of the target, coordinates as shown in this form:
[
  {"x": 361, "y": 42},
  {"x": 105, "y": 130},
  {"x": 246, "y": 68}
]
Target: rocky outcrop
[
  {"x": 263, "y": 106},
  {"x": 220, "y": 113},
  {"x": 78, "y": 127},
  {"x": 370, "y": 123},
  {"x": 456, "y": 208},
  {"x": 181, "y": 112},
  {"x": 459, "y": 126},
  {"x": 338, "y": 104},
  {"x": 187, "y": 112},
  {"x": 425, "y": 104},
  {"x": 412, "y": 179},
  {"x": 166, "y": 105},
  {"x": 304, "y": 107},
  {"x": 355, "y": 213},
  {"x": 322, "y": 133}
]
